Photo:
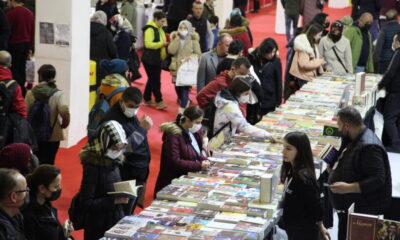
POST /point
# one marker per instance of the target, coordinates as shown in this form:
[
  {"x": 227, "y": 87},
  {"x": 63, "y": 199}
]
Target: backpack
[
  {"x": 76, "y": 213},
  {"x": 7, "y": 88},
  {"x": 39, "y": 118},
  {"x": 98, "y": 111},
  {"x": 209, "y": 118}
]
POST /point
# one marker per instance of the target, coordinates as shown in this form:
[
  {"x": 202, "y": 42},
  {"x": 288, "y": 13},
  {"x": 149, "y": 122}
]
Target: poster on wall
[
  {"x": 63, "y": 34},
  {"x": 46, "y": 33}
]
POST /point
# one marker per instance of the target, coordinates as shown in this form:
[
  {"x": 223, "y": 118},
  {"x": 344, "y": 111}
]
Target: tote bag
[{"x": 187, "y": 73}]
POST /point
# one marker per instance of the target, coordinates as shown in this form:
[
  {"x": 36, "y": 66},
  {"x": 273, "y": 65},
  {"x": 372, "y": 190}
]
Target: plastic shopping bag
[{"x": 187, "y": 73}]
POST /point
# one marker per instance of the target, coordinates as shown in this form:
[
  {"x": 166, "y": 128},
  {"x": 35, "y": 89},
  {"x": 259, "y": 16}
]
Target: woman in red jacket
[
  {"x": 182, "y": 149},
  {"x": 239, "y": 31}
]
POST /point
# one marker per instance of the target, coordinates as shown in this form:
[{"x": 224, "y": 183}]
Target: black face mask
[
  {"x": 54, "y": 195},
  {"x": 335, "y": 38},
  {"x": 326, "y": 24},
  {"x": 366, "y": 27}
]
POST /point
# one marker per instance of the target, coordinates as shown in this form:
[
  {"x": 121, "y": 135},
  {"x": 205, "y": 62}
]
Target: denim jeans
[
  {"x": 183, "y": 95},
  {"x": 289, "y": 20},
  {"x": 360, "y": 69}
]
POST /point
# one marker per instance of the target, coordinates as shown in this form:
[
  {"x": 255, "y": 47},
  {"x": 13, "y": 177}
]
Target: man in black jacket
[
  {"x": 13, "y": 192},
  {"x": 202, "y": 27},
  {"x": 391, "y": 83},
  {"x": 361, "y": 173},
  {"x": 136, "y": 165},
  {"x": 177, "y": 10}
]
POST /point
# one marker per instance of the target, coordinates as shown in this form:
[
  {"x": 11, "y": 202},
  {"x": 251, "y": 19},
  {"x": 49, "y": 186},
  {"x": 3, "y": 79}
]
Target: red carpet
[{"x": 262, "y": 26}]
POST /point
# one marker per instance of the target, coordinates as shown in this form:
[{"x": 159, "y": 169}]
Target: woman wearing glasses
[{"x": 40, "y": 217}]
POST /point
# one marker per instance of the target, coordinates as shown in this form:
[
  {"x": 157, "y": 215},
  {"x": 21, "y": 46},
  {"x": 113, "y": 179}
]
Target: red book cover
[{"x": 361, "y": 226}]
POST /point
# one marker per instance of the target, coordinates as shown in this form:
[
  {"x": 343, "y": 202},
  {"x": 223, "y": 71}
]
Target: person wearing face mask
[
  {"x": 209, "y": 61},
  {"x": 184, "y": 46},
  {"x": 361, "y": 44},
  {"x": 241, "y": 66},
  {"x": 115, "y": 71},
  {"x": 101, "y": 159},
  {"x": 228, "y": 117},
  {"x": 301, "y": 202},
  {"x": 307, "y": 62},
  {"x": 384, "y": 49},
  {"x": 182, "y": 150},
  {"x": 361, "y": 172},
  {"x": 40, "y": 217},
  {"x": 47, "y": 89},
  {"x": 268, "y": 67},
  {"x": 14, "y": 195},
  {"x": 109, "y": 7},
  {"x": 336, "y": 51},
  {"x": 391, "y": 83},
  {"x": 137, "y": 155}
]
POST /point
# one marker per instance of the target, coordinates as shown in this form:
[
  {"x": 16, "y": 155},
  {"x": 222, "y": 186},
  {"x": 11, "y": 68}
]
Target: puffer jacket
[
  {"x": 228, "y": 110},
  {"x": 178, "y": 156},
  {"x": 190, "y": 48},
  {"x": 306, "y": 61},
  {"x": 239, "y": 33}
]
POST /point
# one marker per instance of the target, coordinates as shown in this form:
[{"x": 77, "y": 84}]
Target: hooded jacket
[
  {"x": 58, "y": 106},
  {"x": 228, "y": 110},
  {"x": 343, "y": 50},
  {"x": 102, "y": 45},
  {"x": 110, "y": 83},
  {"x": 306, "y": 61},
  {"x": 179, "y": 51},
  {"x": 17, "y": 103},
  {"x": 178, "y": 156}
]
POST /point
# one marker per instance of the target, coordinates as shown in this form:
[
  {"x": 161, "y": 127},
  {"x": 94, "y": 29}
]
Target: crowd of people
[{"x": 237, "y": 83}]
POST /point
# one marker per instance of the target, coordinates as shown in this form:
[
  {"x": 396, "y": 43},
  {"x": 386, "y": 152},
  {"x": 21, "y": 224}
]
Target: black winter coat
[
  {"x": 179, "y": 9},
  {"x": 108, "y": 8},
  {"x": 41, "y": 221},
  {"x": 99, "y": 174},
  {"x": 391, "y": 79},
  {"x": 4, "y": 31},
  {"x": 102, "y": 45},
  {"x": 363, "y": 6},
  {"x": 270, "y": 75},
  {"x": 11, "y": 228},
  {"x": 365, "y": 161},
  {"x": 123, "y": 41}
]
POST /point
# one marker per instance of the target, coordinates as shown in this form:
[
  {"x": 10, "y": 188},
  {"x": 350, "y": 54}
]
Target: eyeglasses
[{"x": 21, "y": 191}]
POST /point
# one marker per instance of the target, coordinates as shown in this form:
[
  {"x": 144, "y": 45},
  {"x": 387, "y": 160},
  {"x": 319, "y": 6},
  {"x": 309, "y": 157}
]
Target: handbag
[
  {"x": 166, "y": 63},
  {"x": 187, "y": 73}
]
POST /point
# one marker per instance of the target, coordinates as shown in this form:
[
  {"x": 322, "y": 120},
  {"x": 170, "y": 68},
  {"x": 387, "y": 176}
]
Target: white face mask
[
  {"x": 114, "y": 154},
  {"x": 244, "y": 99},
  {"x": 183, "y": 33},
  {"x": 130, "y": 112},
  {"x": 195, "y": 128}
]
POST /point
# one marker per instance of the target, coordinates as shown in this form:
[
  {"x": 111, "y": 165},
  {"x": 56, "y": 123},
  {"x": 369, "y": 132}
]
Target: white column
[
  {"x": 279, "y": 18},
  {"x": 223, "y": 11},
  {"x": 339, "y": 4},
  {"x": 71, "y": 62}
]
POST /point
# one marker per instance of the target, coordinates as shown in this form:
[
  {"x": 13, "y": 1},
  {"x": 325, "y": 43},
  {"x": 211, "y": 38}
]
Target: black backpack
[
  {"x": 39, "y": 118},
  {"x": 77, "y": 213},
  {"x": 209, "y": 118}
]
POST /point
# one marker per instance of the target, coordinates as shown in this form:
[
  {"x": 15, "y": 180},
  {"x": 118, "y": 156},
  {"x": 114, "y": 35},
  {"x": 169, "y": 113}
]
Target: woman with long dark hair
[
  {"x": 182, "y": 149},
  {"x": 40, "y": 216},
  {"x": 302, "y": 211}
]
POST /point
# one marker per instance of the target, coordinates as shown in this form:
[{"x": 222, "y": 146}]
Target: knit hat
[
  {"x": 17, "y": 156},
  {"x": 99, "y": 17},
  {"x": 347, "y": 21},
  {"x": 120, "y": 23},
  {"x": 113, "y": 66}
]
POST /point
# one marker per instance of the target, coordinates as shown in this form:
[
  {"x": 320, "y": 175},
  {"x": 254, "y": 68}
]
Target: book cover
[
  {"x": 328, "y": 154},
  {"x": 144, "y": 236},
  {"x": 125, "y": 188},
  {"x": 361, "y": 226}
]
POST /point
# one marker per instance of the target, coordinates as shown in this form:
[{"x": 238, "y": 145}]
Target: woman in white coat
[{"x": 336, "y": 51}]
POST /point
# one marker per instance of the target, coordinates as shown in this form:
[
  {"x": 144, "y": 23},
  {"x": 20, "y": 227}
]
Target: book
[
  {"x": 328, "y": 154},
  {"x": 125, "y": 188},
  {"x": 266, "y": 188},
  {"x": 361, "y": 226},
  {"x": 229, "y": 217}
]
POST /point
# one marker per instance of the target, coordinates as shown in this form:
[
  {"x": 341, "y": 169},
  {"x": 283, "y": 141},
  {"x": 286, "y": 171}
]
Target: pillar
[
  {"x": 223, "y": 11},
  {"x": 71, "y": 61},
  {"x": 279, "y": 18}
]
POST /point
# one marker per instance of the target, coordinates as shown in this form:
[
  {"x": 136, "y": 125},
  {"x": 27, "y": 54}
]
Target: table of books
[{"x": 224, "y": 202}]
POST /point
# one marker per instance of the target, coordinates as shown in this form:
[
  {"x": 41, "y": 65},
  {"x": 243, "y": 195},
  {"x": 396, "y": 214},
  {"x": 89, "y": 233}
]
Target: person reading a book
[
  {"x": 40, "y": 217},
  {"x": 228, "y": 117},
  {"x": 101, "y": 158},
  {"x": 182, "y": 150},
  {"x": 361, "y": 172},
  {"x": 302, "y": 209}
]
